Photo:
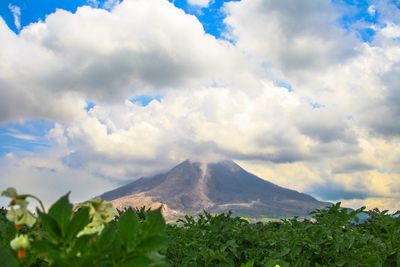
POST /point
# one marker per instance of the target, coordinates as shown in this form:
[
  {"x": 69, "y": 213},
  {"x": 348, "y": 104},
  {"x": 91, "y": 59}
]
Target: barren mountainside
[{"x": 192, "y": 187}]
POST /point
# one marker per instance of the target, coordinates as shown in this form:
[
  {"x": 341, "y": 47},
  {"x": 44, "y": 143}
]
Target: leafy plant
[
  {"x": 95, "y": 234},
  {"x": 332, "y": 237},
  {"x": 90, "y": 235}
]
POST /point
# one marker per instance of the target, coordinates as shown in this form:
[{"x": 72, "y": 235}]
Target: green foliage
[
  {"x": 7, "y": 233},
  {"x": 125, "y": 241},
  {"x": 333, "y": 237},
  {"x": 140, "y": 237}
]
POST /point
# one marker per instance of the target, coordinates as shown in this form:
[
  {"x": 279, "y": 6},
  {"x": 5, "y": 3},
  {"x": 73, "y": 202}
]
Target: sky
[{"x": 305, "y": 94}]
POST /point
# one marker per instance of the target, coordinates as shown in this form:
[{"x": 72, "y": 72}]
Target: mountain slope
[{"x": 191, "y": 187}]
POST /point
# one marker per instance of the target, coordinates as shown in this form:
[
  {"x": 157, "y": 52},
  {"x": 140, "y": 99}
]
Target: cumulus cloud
[
  {"x": 108, "y": 56},
  {"x": 23, "y": 92},
  {"x": 129, "y": 141},
  {"x": 294, "y": 36},
  {"x": 43, "y": 175},
  {"x": 388, "y": 11},
  {"x": 334, "y": 134},
  {"x": 204, "y": 121}
]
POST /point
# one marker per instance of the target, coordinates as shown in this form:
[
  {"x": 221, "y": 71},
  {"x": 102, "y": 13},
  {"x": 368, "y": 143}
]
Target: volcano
[{"x": 191, "y": 187}]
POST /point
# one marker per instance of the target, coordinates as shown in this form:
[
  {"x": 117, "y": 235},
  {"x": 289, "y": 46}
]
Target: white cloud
[
  {"x": 218, "y": 100},
  {"x": 323, "y": 155},
  {"x": 22, "y": 136},
  {"x": 372, "y": 10},
  {"x": 294, "y": 36},
  {"x": 391, "y": 31},
  {"x": 110, "y": 4},
  {"x": 209, "y": 121},
  {"x": 46, "y": 177},
  {"x": 200, "y": 3},
  {"x": 388, "y": 10},
  {"x": 108, "y": 56},
  {"x": 16, "y": 12},
  {"x": 391, "y": 204}
]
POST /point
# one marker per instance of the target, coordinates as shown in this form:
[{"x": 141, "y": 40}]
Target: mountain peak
[
  {"x": 228, "y": 163},
  {"x": 231, "y": 165},
  {"x": 215, "y": 186}
]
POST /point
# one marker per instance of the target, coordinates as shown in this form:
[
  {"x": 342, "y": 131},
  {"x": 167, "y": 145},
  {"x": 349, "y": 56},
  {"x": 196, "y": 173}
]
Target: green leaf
[
  {"x": 273, "y": 263},
  {"x": 107, "y": 237},
  {"x": 61, "y": 212},
  {"x": 7, "y": 232},
  {"x": 153, "y": 243},
  {"x": 46, "y": 249},
  {"x": 50, "y": 227},
  {"x": 282, "y": 253},
  {"x": 137, "y": 261},
  {"x": 82, "y": 245},
  {"x": 250, "y": 263},
  {"x": 128, "y": 227},
  {"x": 7, "y": 257},
  {"x": 79, "y": 220},
  {"x": 156, "y": 221}
]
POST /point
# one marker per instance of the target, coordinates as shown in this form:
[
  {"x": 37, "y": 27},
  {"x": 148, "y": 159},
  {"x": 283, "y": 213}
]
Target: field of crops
[{"x": 85, "y": 236}]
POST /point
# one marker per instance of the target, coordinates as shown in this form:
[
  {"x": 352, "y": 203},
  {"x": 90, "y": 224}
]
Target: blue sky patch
[
  {"x": 35, "y": 10},
  {"x": 211, "y": 17},
  {"x": 284, "y": 84},
  {"x": 144, "y": 100},
  {"x": 315, "y": 105},
  {"x": 28, "y": 136},
  {"x": 89, "y": 106},
  {"x": 358, "y": 16}
]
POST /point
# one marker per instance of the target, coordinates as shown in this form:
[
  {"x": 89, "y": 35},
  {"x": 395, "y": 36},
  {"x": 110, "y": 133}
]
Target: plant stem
[{"x": 38, "y": 200}]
